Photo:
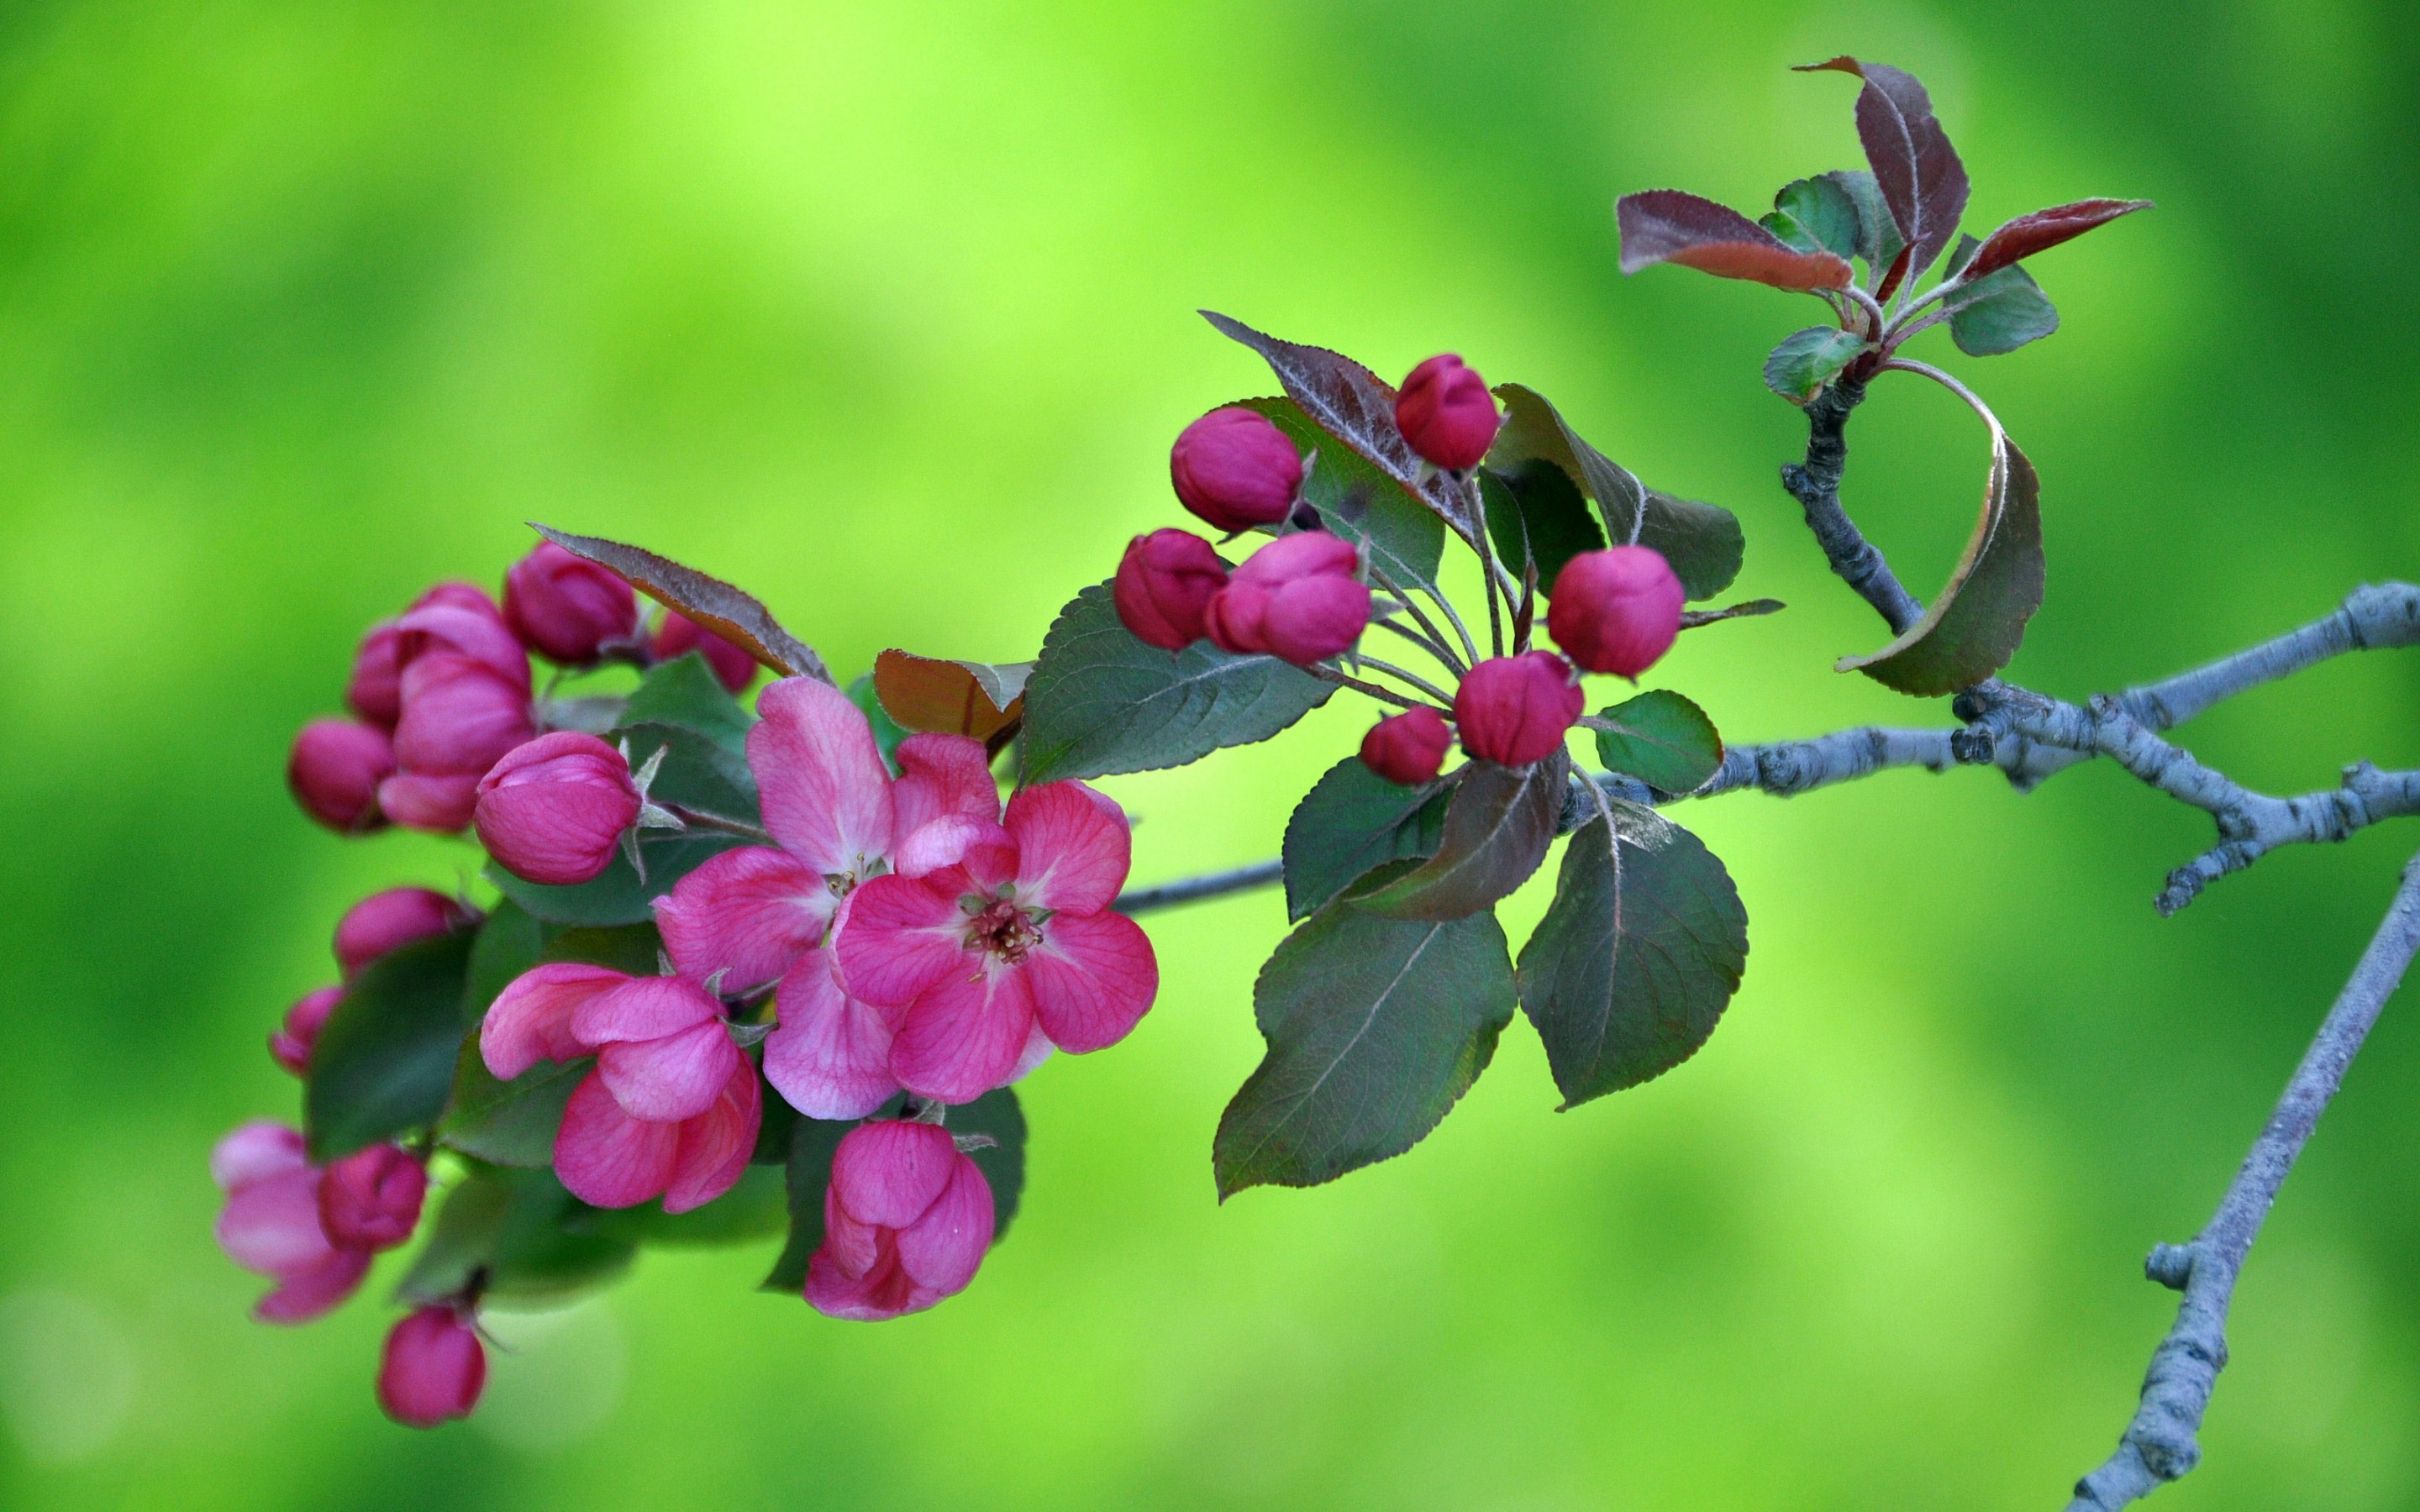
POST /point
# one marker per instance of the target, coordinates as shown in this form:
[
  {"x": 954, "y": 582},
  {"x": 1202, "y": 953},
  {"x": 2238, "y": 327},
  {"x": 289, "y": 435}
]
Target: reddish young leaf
[
  {"x": 2044, "y": 229},
  {"x": 1923, "y": 180},
  {"x": 1898, "y": 275},
  {"x": 953, "y": 698},
  {"x": 1358, "y": 408},
  {"x": 1669, "y": 226},
  {"x": 714, "y": 604}
]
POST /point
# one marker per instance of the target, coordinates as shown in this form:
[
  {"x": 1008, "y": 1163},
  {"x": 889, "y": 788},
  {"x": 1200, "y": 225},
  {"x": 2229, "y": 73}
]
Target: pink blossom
[
  {"x": 370, "y": 1199},
  {"x": 555, "y": 810},
  {"x": 270, "y": 1224},
  {"x": 906, "y": 1220},
  {"x": 569, "y": 610},
  {"x": 761, "y": 915},
  {"x": 1013, "y": 943},
  {"x": 460, "y": 714},
  {"x": 335, "y": 772},
  {"x": 392, "y": 919},
  {"x": 679, "y": 634},
  {"x": 290, "y": 1047},
  {"x": 433, "y": 1369},
  {"x": 670, "y": 1109}
]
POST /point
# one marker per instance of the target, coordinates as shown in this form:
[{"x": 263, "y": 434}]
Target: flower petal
[
  {"x": 888, "y": 1171},
  {"x": 827, "y": 795},
  {"x": 607, "y": 1158},
  {"x": 884, "y": 1291},
  {"x": 715, "y": 1146},
  {"x": 272, "y": 1226},
  {"x": 944, "y": 775},
  {"x": 747, "y": 914},
  {"x": 855, "y": 1247},
  {"x": 901, "y": 934},
  {"x": 530, "y": 1021},
  {"x": 674, "y": 1078},
  {"x": 1038, "y": 1049},
  {"x": 943, "y": 1248},
  {"x": 831, "y": 1058},
  {"x": 945, "y": 841},
  {"x": 307, "y": 1293},
  {"x": 255, "y": 1151},
  {"x": 645, "y": 1007},
  {"x": 1073, "y": 847},
  {"x": 964, "y": 1034},
  {"x": 1093, "y": 978}
]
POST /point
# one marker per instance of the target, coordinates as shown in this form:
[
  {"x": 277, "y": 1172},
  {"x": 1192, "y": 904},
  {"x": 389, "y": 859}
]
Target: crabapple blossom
[
  {"x": 460, "y": 716},
  {"x": 335, "y": 770},
  {"x": 1236, "y": 469},
  {"x": 389, "y": 921},
  {"x": 567, "y": 609},
  {"x": 670, "y": 1108},
  {"x": 554, "y": 809},
  {"x": 1616, "y": 610},
  {"x": 1299, "y": 598},
  {"x": 270, "y": 1224},
  {"x": 291, "y": 1045},
  {"x": 906, "y": 1219},
  {"x": 1407, "y": 747},
  {"x": 1515, "y": 710},
  {"x": 375, "y": 691},
  {"x": 679, "y": 634},
  {"x": 370, "y": 1199},
  {"x": 1014, "y": 940},
  {"x": 433, "y": 1367},
  {"x": 1446, "y": 413},
  {"x": 1164, "y": 586}
]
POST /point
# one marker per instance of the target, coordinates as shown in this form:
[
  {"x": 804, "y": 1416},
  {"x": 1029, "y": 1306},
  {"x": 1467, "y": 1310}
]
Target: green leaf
[
  {"x": 1878, "y": 239},
  {"x": 1628, "y": 972},
  {"x": 1702, "y": 542},
  {"x": 888, "y": 732},
  {"x": 513, "y": 1225},
  {"x": 1375, "y": 1026},
  {"x": 697, "y": 774},
  {"x": 1404, "y": 538},
  {"x": 1664, "y": 741},
  {"x": 1807, "y": 359},
  {"x": 1999, "y": 313},
  {"x": 1977, "y": 620},
  {"x": 755, "y": 1208},
  {"x": 1817, "y": 215},
  {"x": 384, "y": 1060},
  {"x": 508, "y": 1123},
  {"x": 684, "y": 691},
  {"x": 509, "y": 942},
  {"x": 1352, "y": 822},
  {"x": 1498, "y": 827},
  {"x": 617, "y": 896},
  {"x": 1101, "y": 701},
  {"x": 997, "y": 1114},
  {"x": 1535, "y": 511}
]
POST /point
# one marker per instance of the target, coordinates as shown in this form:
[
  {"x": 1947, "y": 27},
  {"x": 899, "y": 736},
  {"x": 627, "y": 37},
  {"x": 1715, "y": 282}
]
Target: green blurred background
[{"x": 886, "y": 312}]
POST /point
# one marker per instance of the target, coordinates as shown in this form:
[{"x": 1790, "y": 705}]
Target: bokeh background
[{"x": 885, "y": 311}]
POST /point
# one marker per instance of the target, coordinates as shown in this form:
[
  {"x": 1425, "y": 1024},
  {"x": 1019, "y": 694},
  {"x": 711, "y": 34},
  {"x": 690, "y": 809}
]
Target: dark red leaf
[
  {"x": 1667, "y": 226},
  {"x": 728, "y": 611},
  {"x": 1891, "y": 280},
  {"x": 1921, "y": 178},
  {"x": 2040, "y": 231}
]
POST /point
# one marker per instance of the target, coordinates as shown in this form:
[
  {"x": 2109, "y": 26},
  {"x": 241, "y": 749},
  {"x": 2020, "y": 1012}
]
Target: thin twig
[
  {"x": 1443, "y": 653},
  {"x": 2160, "y": 1444},
  {"x": 1445, "y": 606},
  {"x": 1413, "y": 678},
  {"x": 1486, "y": 543},
  {"x": 1384, "y": 695},
  {"x": 1193, "y": 889},
  {"x": 1412, "y": 607}
]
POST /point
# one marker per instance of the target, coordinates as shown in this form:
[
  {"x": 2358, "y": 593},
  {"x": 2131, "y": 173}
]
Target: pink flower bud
[
  {"x": 376, "y": 691},
  {"x": 679, "y": 634},
  {"x": 389, "y": 921},
  {"x": 568, "y": 608},
  {"x": 370, "y": 1199},
  {"x": 1514, "y": 710},
  {"x": 459, "y": 618},
  {"x": 270, "y": 1224},
  {"x": 1616, "y": 610},
  {"x": 434, "y": 1368},
  {"x": 553, "y": 811},
  {"x": 906, "y": 1220},
  {"x": 335, "y": 770},
  {"x": 1164, "y": 585},
  {"x": 290, "y": 1047},
  {"x": 1407, "y": 747},
  {"x": 460, "y": 716},
  {"x": 1297, "y": 599},
  {"x": 1446, "y": 413},
  {"x": 1235, "y": 469}
]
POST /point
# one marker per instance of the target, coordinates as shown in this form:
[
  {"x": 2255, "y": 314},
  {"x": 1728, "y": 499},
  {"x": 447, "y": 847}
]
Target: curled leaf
[
  {"x": 1921, "y": 178},
  {"x": 2044, "y": 229},
  {"x": 1978, "y": 619},
  {"x": 717, "y": 606},
  {"x": 1498, "y": 827},
  {"x": 1669, "y": 225},
  {"x": 953, "y": 698},
  {"x": 1807, "y": 359}
]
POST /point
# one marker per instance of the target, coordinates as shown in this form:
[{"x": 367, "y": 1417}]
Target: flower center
[{"x": 1000, "y": 927}]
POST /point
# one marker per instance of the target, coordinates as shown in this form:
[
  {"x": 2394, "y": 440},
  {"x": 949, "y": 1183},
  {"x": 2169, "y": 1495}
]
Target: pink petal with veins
[
  {"x": 901, "y": 935},
  {"x": 677, "y": 1077},
  {"x": 531, "y": 1019},
  {"x": 607, "y": 1158},
  {"x": 1073, "y": 847},
  {"x": 715, "y": 1146},
  {"x": 965, "y": 1034},
  {"x": 888, "y": 1171},
  {"x": 943, "y": 776},
  {"x": 747, "y": 914},
  {"x": 1094, "y": 977},
  {"x": 830, "y": 1056},
  {"x": 943, "y": 1248},
  {"x": 826, "y": 793},
  {"x": 645, "y": 1007}
]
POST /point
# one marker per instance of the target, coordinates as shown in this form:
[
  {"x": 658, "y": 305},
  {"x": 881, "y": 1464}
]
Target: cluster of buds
[{"x": 1303, "y": 598}]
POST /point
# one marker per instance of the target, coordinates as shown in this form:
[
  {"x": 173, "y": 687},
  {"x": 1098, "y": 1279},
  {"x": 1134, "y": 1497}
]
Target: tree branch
[
  {"x": 2159, "y": 1444},
  {"x": 1816, "y": 484},
  {"x": 1193, "y": 889}
]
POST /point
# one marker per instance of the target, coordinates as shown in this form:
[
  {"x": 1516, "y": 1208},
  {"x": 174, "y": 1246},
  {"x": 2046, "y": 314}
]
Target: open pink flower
[
  {"x": 670, "y": 1109},
  {"x": 1014, "y": 940},
  {"x": 906, "y": 1220},
  {"x": 270, "y": 1224},
  {"x": 761, "y": 915}
]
